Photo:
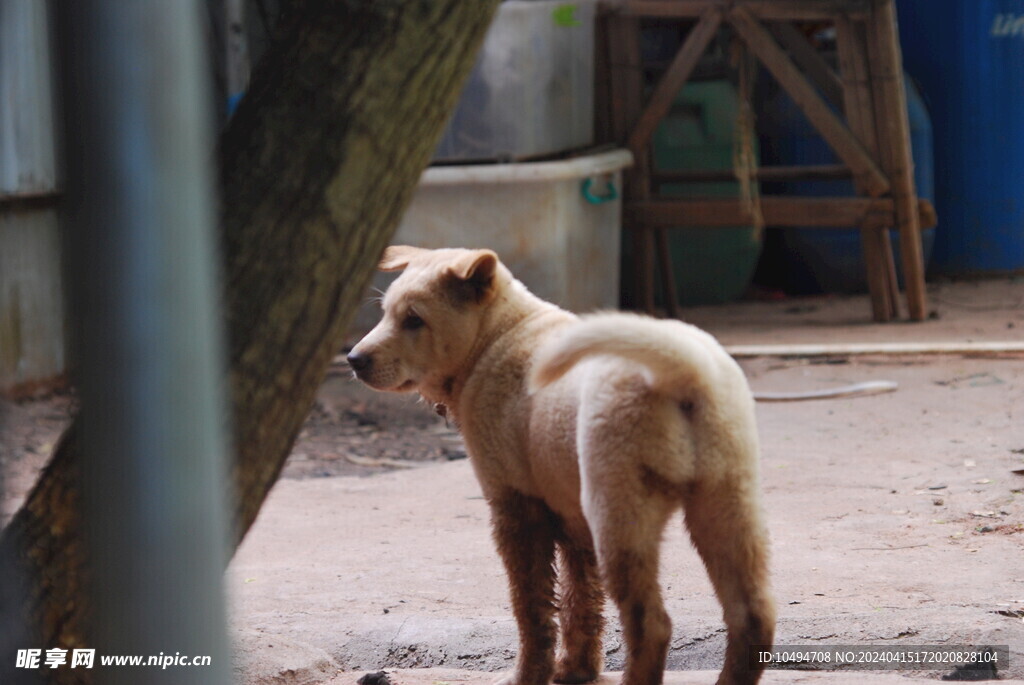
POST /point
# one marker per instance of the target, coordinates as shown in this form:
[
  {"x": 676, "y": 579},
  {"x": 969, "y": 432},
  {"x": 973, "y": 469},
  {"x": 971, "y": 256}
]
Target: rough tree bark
[{"x": 318, "y": 164}]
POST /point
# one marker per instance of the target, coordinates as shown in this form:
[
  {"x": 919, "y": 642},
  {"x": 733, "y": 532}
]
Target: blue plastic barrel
[
  {"x": 968, "y": 56},
  {"x": 832, "y": 259}
]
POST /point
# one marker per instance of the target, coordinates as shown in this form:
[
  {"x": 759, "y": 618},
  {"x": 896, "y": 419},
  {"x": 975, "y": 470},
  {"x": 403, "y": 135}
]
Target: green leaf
[{"x": 565, "y": 15}]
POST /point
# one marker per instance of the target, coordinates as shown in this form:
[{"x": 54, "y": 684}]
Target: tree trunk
[{"x": 317, "y": 166}]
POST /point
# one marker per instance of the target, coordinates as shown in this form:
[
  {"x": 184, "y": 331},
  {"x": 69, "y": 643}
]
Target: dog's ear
[
  {"x": 397, "y": 257},
  {"x": 474, "y": 275}
]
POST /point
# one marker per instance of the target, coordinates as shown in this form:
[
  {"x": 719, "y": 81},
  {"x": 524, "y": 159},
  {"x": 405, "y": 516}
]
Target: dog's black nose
[{"x": 359, "y": 362}]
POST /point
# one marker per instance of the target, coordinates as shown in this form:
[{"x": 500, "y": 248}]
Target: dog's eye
[{"x": 411, "y": 322}]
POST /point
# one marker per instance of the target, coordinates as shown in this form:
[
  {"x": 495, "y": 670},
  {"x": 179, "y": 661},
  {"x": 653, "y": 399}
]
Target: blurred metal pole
[{"x": 147, "y": 342}]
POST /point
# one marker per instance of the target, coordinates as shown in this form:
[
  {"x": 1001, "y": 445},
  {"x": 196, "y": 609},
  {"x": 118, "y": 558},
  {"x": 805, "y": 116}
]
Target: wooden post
[
  {"x": 604, "y": 133},
  {"x": 893, "y": 127},
  {"x": 668, "y": 276},
  {"x": 878, "y": 259},
  {"x": 626, "y": 86}
]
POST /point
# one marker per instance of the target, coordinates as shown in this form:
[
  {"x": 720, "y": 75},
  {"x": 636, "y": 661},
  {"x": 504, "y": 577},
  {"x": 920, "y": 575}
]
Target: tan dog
[{"x": 586, "y": 435}]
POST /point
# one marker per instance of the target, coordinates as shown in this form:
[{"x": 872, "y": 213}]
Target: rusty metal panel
[{"x": 31, "y": 308}]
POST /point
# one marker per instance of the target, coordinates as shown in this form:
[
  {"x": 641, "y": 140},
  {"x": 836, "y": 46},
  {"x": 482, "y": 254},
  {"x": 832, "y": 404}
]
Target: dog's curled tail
[{"x": 676, "y": 356}]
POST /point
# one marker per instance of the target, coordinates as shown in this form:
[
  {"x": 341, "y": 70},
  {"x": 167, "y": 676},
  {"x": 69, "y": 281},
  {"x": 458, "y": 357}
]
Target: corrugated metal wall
[
  {"x": 31, "y": 307},
  {"x": 31, "y": 311}
]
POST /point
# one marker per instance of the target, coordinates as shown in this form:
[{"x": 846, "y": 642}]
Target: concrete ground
[{"x": 895, "y": 519}]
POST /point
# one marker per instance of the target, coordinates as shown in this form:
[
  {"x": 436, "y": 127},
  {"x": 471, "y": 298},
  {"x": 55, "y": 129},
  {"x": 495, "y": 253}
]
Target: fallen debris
[
  {"x": 855, "y": 390},
  {"x": 378, "y": 678}
]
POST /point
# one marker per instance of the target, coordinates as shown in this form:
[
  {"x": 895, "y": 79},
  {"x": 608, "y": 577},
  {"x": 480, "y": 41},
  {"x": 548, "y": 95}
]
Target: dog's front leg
[{"x": 524, "y": 530}]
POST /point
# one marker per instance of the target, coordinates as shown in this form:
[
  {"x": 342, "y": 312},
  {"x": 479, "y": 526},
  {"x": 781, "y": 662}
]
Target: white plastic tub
[
  {"x": 531, "y": 92},
  {"x": 536, "y": 216}
]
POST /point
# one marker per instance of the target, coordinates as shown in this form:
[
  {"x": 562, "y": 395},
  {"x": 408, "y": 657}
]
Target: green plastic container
[{"x": 711, "y": 266}]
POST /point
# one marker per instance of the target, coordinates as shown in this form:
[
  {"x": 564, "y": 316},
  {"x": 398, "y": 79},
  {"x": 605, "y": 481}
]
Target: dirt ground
[{"x": 896, "y": 519}]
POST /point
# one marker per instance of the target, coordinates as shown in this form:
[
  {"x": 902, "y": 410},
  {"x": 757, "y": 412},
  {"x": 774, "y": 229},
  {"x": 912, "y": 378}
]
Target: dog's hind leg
[
  {"x": 628, "y": 554},
  {"x": 725, "y": 526},
  {"x": 581, "y": 599},
  {"x": 525, "y": 531},
  {"x": 627, "y": 520}
]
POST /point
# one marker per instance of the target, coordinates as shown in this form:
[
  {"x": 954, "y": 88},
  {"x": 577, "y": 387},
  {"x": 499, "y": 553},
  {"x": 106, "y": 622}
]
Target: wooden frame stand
[{"x": 871, "y": 138}]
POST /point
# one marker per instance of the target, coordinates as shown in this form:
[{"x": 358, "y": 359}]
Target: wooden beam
[
  {"x": 853, "y": 67},
  {"x": 626, "y": 96},
  {"x": 778, "y": 211},
  {"x": 831, "y": 127},
  {"x": 677, "y": 74},
  {"x": 821, "y": 172},
  {"x": 808, "y": 10},
  {"x": 792, "y": 212},
  {"x": 823, "y": 212},
  {"x": 810, "y": 60},
  {"x": 882, "y": 221}
]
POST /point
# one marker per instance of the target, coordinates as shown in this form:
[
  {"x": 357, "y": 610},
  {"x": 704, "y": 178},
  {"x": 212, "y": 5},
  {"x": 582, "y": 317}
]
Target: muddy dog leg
[
  {"x": 524, "y": 530},
  {"x": 627, "y": 531},
  {"x": 581, "y": 599},
  {"x": 726, "y": 529}
]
